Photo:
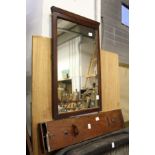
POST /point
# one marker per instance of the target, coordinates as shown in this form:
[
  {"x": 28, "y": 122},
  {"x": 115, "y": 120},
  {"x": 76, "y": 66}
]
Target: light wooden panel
[
  {"x": 110, "y": 81},
  {"x": 124, "y": 91},
  {"x": 41, "y": 86}
]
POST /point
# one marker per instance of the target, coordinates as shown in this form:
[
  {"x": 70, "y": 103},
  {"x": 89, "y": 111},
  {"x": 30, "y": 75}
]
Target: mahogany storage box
[{"x": 61, "y": 133}]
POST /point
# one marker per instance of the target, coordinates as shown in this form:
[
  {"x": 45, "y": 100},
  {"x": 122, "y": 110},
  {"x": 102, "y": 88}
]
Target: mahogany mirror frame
[{"x": 58, "y": 13}]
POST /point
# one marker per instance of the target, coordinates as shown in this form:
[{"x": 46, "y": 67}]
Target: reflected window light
[{"x": 125, "y": 15}]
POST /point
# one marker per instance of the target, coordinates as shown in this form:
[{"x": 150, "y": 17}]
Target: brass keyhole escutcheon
[{"x": 75, "y": 130}]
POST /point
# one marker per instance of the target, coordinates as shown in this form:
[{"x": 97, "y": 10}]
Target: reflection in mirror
[{"x": 77, "y": 67}]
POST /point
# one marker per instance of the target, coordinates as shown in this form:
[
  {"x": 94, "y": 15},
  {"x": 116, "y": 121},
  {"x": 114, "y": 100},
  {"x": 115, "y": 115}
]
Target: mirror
[{"x": 76, "y": 64}]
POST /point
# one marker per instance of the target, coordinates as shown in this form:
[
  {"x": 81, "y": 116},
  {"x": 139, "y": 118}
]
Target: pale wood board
[
  {"x": 110, "y": 81},
  {"x": 124, "y": 91},
  {"x": 41, "y": 86}
]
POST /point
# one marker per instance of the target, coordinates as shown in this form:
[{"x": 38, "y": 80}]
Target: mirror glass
[{"x": 77, "y": 73}]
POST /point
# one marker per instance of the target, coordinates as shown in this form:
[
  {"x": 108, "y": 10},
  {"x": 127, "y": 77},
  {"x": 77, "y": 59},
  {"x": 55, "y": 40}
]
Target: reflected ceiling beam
[
  {"x": 73, "y": 31},
  {"x": 68, "y": 35},
  {"x": 66, "y": 38}
]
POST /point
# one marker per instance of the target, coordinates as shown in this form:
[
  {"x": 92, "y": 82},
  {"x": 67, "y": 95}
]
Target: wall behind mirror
[{"x": 77, "y": 73}]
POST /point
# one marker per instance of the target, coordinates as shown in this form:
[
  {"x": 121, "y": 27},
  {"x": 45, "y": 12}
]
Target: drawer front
[{"x": 61, "y": 133}]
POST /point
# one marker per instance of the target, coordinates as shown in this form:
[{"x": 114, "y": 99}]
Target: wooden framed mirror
[{"x": 76, "y": 78}]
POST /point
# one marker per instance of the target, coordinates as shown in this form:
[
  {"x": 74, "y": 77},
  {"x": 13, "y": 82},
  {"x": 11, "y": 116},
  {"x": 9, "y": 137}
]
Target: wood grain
[
  {"x": 110, "y": 81},
  {"x": 41, "y": 86},
  {"x": 124, "y": 91}
]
